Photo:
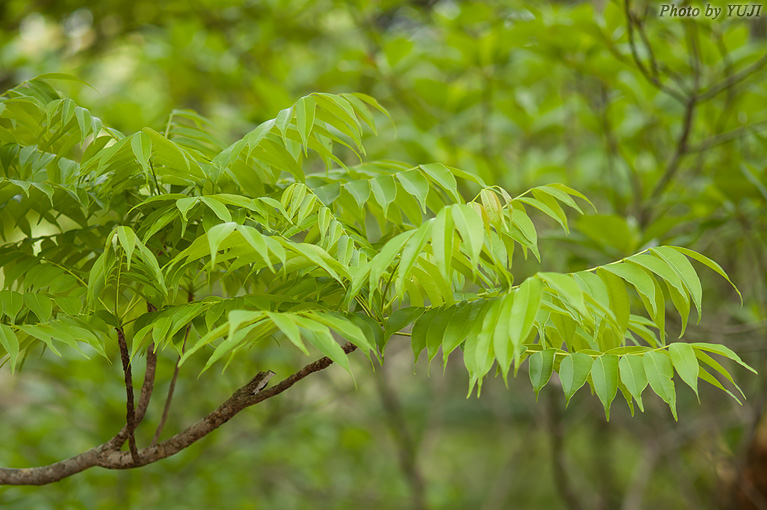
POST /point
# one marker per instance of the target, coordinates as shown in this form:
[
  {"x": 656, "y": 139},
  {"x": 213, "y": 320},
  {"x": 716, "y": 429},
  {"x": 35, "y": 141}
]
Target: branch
[
  {"x": 130, "y": 415},
  {"x": 172, "y": 387},
  {"x": 169, "y": 398},
  {"x": 556, "y": 440},
  {"x": 734, "y": 79},
  {"x": 634, "y": 53},
  {"x": 242, "y": 398},
  {"x": 407, "y": 448},
  {"x": 107, "y": 456},
  {"x": 725, "y": 137},
  {"x": 89, "y": 458},
  {"x": 681, "y": 150}
]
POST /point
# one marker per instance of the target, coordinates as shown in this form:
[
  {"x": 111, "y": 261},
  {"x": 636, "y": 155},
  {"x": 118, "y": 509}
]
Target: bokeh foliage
[{"x": 521, "y": 94}]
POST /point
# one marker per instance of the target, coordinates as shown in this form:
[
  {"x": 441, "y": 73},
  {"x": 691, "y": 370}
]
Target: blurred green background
[{"x": 521, "y": 93}]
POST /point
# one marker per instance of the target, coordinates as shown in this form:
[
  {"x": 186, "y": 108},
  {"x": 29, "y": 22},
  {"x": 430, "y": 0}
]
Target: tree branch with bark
[{"x": 109, "y": 456}]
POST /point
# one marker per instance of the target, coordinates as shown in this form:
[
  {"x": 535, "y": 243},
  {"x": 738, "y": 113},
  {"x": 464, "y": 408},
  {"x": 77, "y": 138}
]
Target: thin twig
[
  {"x": 406, "y": 445},
  {"x": 679, "y": 152},
  {"x": 726, "y": 137},
  {"x": 172, "y": 387},
  {"x": 108, "y": 456},
  {"x": 731, "y": 80},
  {"x": 692, "y": 38},
  {"x": 169, "y": 398},
  {"x": 130, "y": 417},
  {"x": 630, "y": 21},
  {"x": 556, "y": 434}
]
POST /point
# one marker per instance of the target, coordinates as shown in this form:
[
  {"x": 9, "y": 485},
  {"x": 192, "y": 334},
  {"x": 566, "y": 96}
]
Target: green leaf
[
  {"x": 708, "y": 360},
  {"x": 527, "y": 303},
  {"x": 461, "y": 322},
  {"x": 256, "y": 240},
  {"x": 660, "y": 371},
  {"x": 604, "y": 374},
  {"x": 472, "y": 230},
  {"x": 386, "y": 256},
  {"x": 442, "y": 176},
  {"x": 442, "y": 241},
  {"x": 686, "y": 364},
  {"x": 350, "y": 331},
  {"x": 305, "y": 118},
  {"x": 494, "y": 209},
  {"x": 550, "y": 208},
  {"x": 420, "y": 330},
  {"x": 723, "y": 351},
  {"x": 127, "y": 239},
  {"x": 633, "y": 376},
  {"x": 708, "y": 263},
  {"x": 686, "y": 272},
  {"x": 10, "y": 343},
  {"x": 372, "y": 102},
  {"x": 218, "y": 208},
  {"x": 436, "y": 331},
  {"x": 385, "y": 191},
  {"x": 569, "y": 191},
  {"x": 541, "y": 367},
  {"x": 503, "y": 344},
  {"x": 676, "y": 289},
  {"x": 360, "y": 190},
  {"x": 567, "y": 289},
  {"x": 573, "y": 372},
  {"x": 416, "y": 184},
  {"x": 705, "y": 376},
  {"x": 399, "y": 320},
  {"x": 237, "y": 318},
  {"x": 184, "y": 204},
  {"x": 84, "y": 120},
  {"x": 216, "y": 236},
  {"x": 637, "y": 277},
  {"x": 318, "y": 256},
  {"x": 11, "y": 302},
  {"x": 324, "y": 342},
  {"x": 411, "y": 251},
  {"x": 287, "y": 325},
  {"x": 283, "y": 122},
  {"x": 619, "y": 298},
  {"x": 40, "y": 305},
  {"x": 141, "y": 145},
  {"x": 682, "y": 303}
]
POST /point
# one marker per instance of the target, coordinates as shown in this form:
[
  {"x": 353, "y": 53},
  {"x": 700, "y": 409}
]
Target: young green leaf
[
  {"x": 686, "y": 272},
  {"x": 633, "y": 376},
  {"x": 442, "y": 235},
  {"x": 287, "y": 325},
  {"x": 420, "y": 329},
  {"x": 660, "y": 371},
  {"x": 723, "y": 351},
  {"x": 216, "y": 236},
  {"x": 541, "y": 367},
  {"x": 604, "y": 374},
  {"x": 686, "y": 364},
  {"x": 527, "y": 303},
  {"x": 398, "y": 320},
  {"x": 305, "y": 118},
  {"x": 708, "y": 263},
  {"x": 471, "y": 228},
  {"x": 637, "y": 277},
  {"x": 416, "y": 184},
  {"x": 573, "y": 372},
  {"x": 10, "y": 343}
]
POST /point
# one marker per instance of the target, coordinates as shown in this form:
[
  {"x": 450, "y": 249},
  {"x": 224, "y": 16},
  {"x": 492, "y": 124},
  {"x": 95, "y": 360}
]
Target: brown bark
[
  {"x": 109, "y": 456},
  {"x": 130, "y": 415}
]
